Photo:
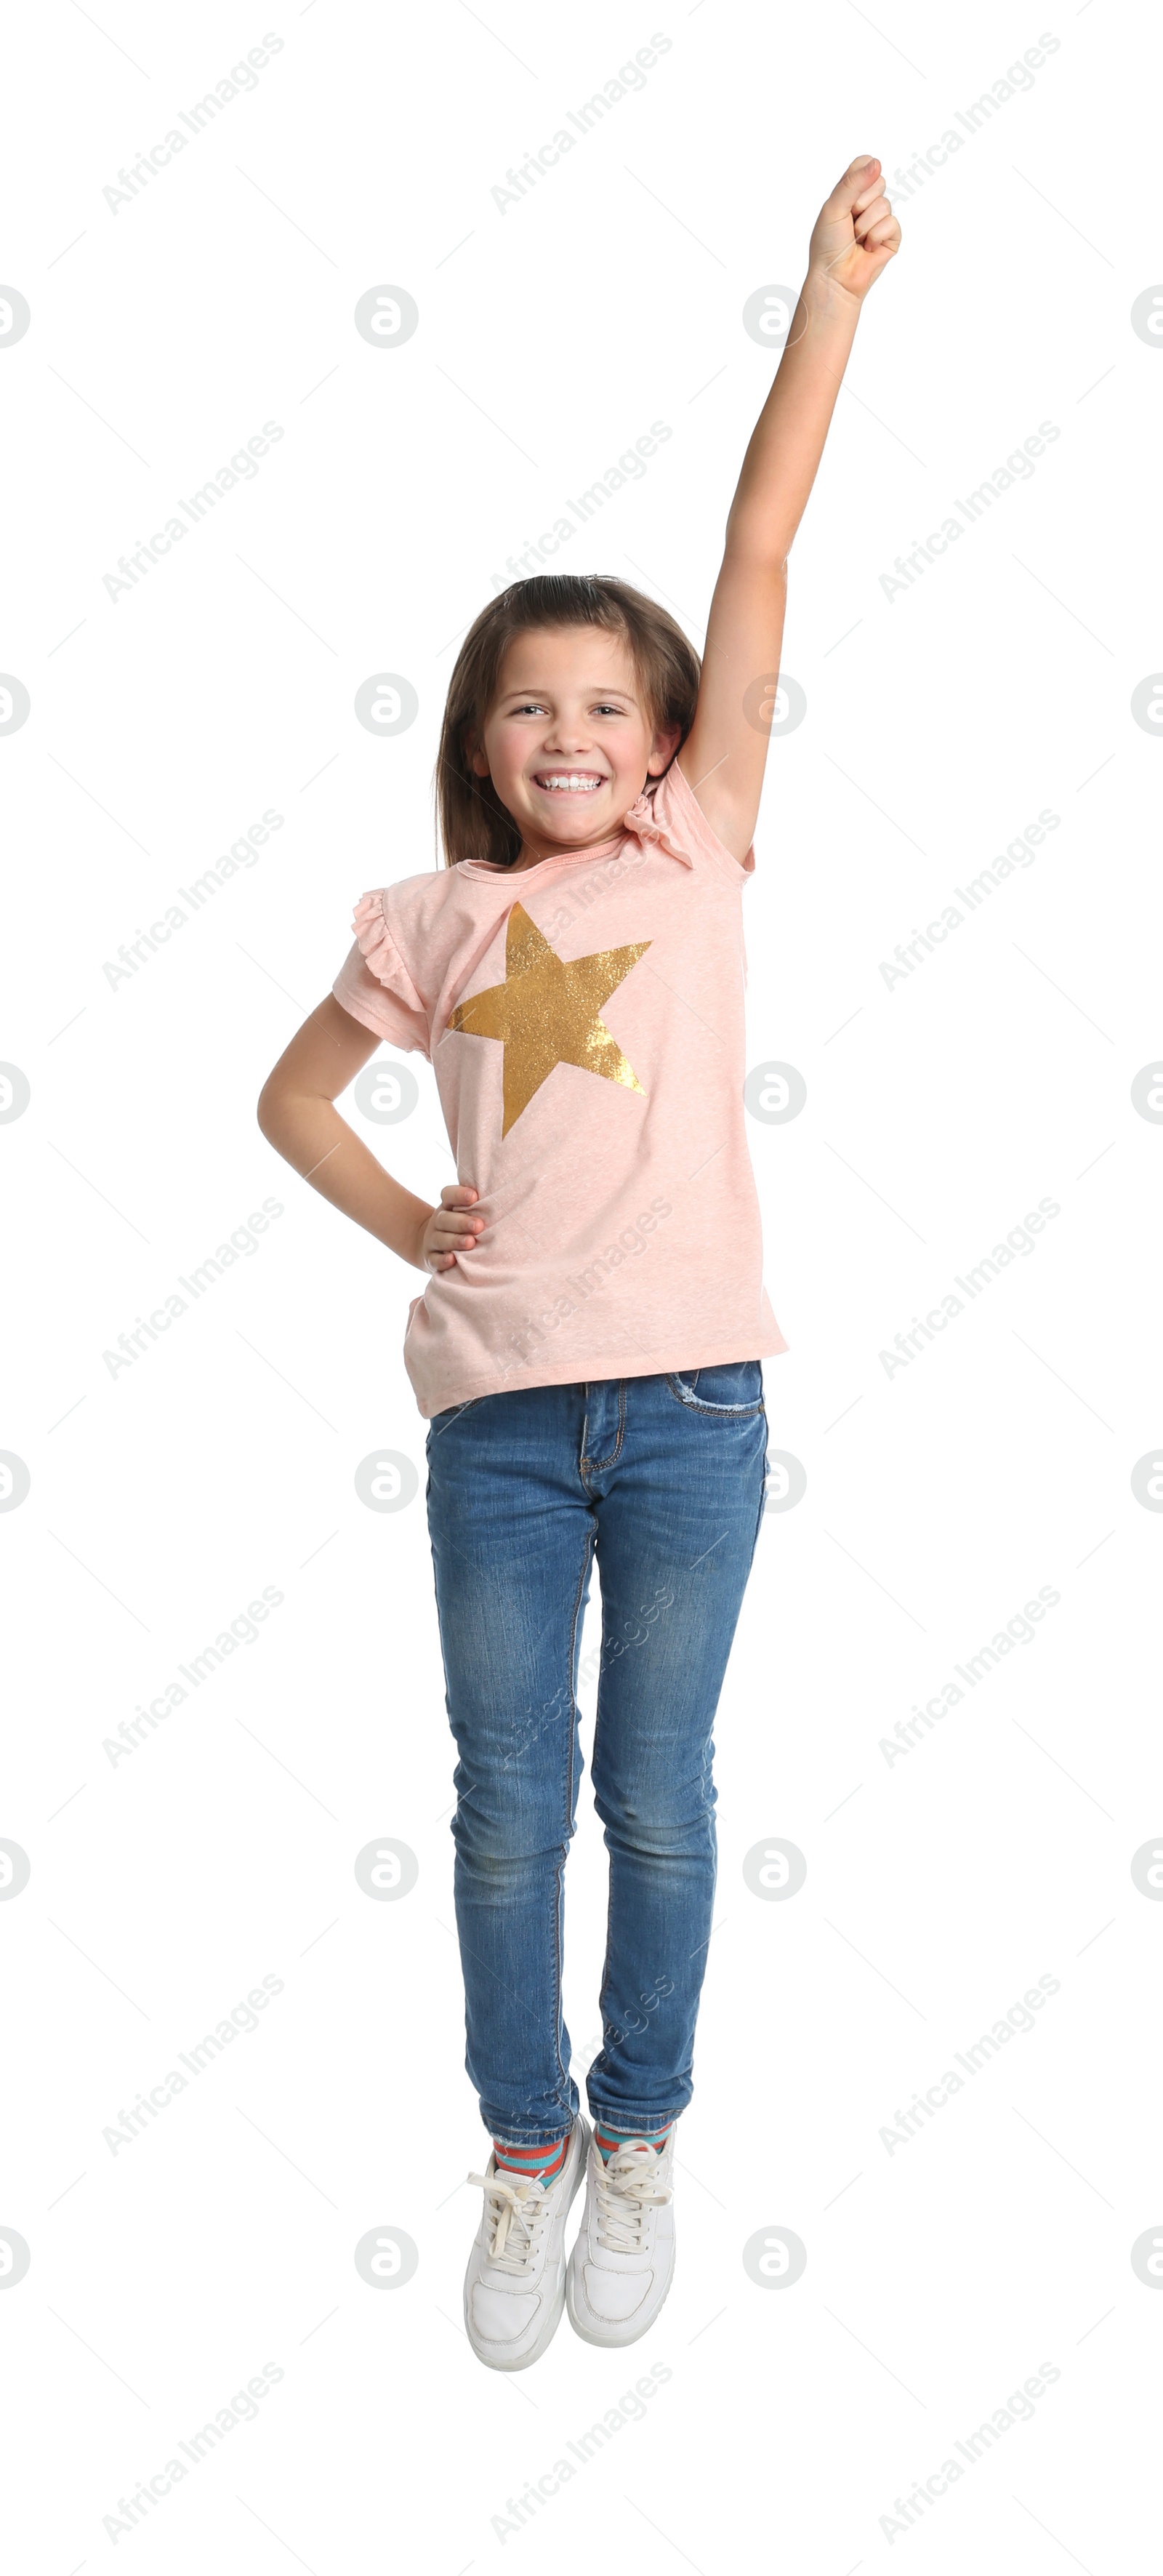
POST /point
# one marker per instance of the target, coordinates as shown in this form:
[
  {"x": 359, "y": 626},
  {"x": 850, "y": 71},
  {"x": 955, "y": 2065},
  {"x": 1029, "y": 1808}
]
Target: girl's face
[{"x": 568, "y": 742}]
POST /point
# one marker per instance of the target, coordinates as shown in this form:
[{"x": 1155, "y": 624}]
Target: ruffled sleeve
[
  {"x": 643, "y": 822},
  {"x": 670, "y": 816},
  {"x": 374, "y": 985}
]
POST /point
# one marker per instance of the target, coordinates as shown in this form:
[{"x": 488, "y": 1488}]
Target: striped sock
[
  {"x": 608, "y": 2140},
  {"x": 539, "y": 2164}
]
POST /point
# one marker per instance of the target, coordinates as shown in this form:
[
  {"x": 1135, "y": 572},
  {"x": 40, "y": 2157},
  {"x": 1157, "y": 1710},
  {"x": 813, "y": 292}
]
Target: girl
[{"x": 588, "y": 1345}]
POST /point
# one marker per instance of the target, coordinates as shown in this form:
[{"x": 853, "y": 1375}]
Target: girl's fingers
[
  {"x": 888, "y": 230},
  {"x": 874, "y": 213},
  {"x": 866, "y": 195},
  {"x": 846, "y": 194}
]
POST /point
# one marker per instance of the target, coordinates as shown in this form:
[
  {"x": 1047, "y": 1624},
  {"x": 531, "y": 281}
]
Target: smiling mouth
[{"x": 568, "y": 782}]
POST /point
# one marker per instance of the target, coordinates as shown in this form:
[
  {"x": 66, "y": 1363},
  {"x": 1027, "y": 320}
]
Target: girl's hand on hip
[
  {"x": 856, "y": 233},
  {"x": 449, "y": 1231}
]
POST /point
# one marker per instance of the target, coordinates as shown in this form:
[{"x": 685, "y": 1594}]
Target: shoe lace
[
  {"x": 515, "y": 2212},
  {"x": 627, "y": 2188}
]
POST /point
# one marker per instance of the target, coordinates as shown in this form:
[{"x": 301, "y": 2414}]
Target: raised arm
[{"x": 723, "y": 757}]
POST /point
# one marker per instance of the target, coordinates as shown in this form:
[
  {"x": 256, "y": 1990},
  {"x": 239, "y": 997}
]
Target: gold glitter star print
[{"x": 548, "y": 1012}]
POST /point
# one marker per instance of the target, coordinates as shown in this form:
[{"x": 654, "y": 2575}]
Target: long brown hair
[{"x": 473, "y": 823}]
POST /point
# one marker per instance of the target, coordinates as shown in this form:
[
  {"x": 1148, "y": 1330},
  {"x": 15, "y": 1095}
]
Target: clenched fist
[{"x": 856, "y": 232}]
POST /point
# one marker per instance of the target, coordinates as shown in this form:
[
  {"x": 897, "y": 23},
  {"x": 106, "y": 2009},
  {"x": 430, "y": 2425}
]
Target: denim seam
[
  {"x": 762, "y": 1493},
  {"x": 597, "y": 1464},
  {"x": 567, "y": 1822},
  {"x": 604, "y": 1986}
]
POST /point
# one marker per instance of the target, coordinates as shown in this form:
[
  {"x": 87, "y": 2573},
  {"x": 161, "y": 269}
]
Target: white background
[{"x": 939, "y": 1499}]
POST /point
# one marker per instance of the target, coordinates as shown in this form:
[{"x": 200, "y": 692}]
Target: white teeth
[{"x": 563, "y": 779}]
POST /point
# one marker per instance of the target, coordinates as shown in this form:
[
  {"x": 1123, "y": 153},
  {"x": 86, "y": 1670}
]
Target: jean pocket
[{"x": 732, "y": 1391}]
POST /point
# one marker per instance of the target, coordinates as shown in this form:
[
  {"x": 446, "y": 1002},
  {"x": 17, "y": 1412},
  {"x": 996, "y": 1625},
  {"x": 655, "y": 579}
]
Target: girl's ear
[
  {"x": 663, "y": 749},
  {"x": 475, "y": 757}
]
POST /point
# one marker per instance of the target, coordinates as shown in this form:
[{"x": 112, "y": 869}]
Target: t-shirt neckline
[{"x": 489, "y": 869}]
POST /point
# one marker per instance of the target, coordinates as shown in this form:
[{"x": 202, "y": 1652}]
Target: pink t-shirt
[{"x": 584, "y": 1020}]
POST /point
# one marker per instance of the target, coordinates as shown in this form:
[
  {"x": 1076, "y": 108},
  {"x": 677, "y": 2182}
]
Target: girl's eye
[{"x": 537, "y": 707}]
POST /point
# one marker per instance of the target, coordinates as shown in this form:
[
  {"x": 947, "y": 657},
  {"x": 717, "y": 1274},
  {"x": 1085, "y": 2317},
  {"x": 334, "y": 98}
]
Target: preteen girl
[{"x": 587, "y": 1347}]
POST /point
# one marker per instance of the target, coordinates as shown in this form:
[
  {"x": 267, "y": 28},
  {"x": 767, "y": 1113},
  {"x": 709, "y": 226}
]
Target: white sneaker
[
  {"x": 622, "y": 2262},
  {"x": 514, "y": 2288}
]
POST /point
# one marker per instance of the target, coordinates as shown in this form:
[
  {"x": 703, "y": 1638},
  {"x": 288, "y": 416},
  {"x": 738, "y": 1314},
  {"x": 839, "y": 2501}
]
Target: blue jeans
[{"x": 662, "y": 1477}]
